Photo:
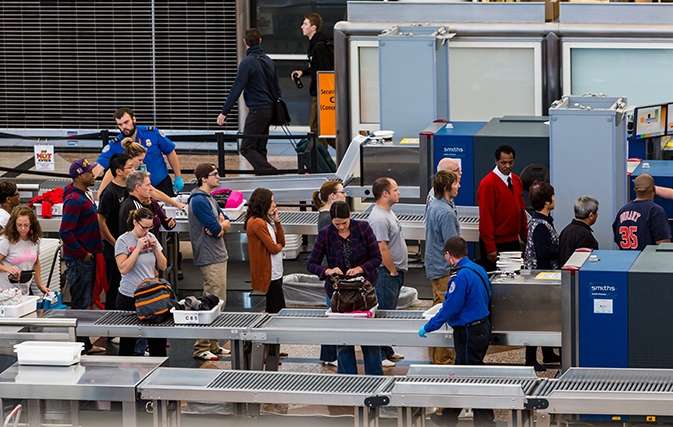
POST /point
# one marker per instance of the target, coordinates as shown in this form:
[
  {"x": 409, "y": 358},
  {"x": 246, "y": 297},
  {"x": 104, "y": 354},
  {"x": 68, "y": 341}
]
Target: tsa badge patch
[
  {"x": 148, "y": 142},
  {"x": 452, "y": 287}
]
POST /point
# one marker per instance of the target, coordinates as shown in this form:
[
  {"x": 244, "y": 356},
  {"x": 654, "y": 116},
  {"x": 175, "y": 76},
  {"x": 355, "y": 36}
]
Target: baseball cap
[
  {"x": 643, "y": 183},
  {"x": 78, "y": 167},
  {"x": 203, "y": 169}
]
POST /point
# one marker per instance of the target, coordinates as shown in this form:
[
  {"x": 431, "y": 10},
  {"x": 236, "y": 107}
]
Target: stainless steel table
[{"x": 109, "y": 378}]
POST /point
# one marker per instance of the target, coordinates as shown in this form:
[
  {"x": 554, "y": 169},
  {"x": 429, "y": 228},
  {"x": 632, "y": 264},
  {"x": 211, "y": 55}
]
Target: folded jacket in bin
[{"x": 204, "y": 303}]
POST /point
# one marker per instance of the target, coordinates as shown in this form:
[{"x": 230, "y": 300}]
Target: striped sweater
[{"x": 79, "y": 230}]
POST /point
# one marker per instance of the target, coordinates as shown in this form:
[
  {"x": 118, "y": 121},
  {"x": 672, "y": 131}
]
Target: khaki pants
[
  {"x": 314, "y": 124},
  {"x": 441, "y": 355},
  {"x": 214, "y": 283}
]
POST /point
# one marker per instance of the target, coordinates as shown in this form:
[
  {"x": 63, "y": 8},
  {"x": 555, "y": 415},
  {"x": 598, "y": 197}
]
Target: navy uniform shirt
[
  {"x": 466, "y": 299},
  {"x": 156, "y": 144},
  {"x": 640, "y": 223}
]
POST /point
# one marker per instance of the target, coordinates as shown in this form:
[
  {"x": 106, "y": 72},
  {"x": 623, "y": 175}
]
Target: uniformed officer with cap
[
  {"x": 465, "y": 309},
  {"x": 156, "y": 144}
]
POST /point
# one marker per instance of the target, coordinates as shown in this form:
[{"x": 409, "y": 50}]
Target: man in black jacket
[
  {"x": 320, "y": 58},
  {"x": 252, "y": 79},
  {"x": 578, "y": 233}
]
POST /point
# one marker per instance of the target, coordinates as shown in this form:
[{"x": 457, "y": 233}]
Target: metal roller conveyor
[
  {"x": 488, "y": 387},
  {"x": 227, "y": 326},
  {"x": 292, "y": 326},
  {"x": 609, "y": 391},
  {"x": 295, "y": 222},
  {"x": 262, "y": 387},
  {"x": 516, "y": 389}
]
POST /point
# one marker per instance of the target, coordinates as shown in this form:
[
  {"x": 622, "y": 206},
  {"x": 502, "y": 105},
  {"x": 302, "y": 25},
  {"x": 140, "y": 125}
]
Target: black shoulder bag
[{"x": 280, "y": 115}]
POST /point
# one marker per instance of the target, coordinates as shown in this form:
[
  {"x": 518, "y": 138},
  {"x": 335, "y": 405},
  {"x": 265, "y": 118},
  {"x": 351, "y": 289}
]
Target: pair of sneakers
[
  {"x": 213, "y": 355},
  {"x": 390, "y": 362}
]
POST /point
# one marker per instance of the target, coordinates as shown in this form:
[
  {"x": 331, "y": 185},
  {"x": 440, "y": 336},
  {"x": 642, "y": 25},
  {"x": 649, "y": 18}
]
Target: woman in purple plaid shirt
[{"x": 351, "y": 248}]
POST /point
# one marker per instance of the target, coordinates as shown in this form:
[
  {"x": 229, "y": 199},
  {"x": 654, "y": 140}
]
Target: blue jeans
[
  {"x": 347, "y": 364},
  {"x": 328, "y": 353},
  {"x": 387, "y": 292},
  {"x": 81, "y": 276}
]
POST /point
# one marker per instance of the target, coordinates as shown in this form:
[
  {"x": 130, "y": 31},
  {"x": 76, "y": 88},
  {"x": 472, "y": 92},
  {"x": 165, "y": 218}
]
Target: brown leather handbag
[{"x": 352, "y": 293}]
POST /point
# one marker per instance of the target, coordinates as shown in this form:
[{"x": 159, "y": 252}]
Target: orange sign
[{"x": 326, "y": 105}]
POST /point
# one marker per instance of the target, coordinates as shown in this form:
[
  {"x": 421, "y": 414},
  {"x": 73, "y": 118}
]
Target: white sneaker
[
  {"x": 387, "y": 363},
  {"x": 207, "y": 355},
  {"x": 221, "y": 352},
  {"x": 396, "y": 357},
  {"x": 334, "y": 364}
]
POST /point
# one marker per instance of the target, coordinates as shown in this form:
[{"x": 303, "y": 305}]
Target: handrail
[{"x": 27, "y": 322}]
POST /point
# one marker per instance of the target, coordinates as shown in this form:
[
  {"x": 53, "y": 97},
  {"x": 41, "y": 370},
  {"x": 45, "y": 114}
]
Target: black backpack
[{"x": 329, "y": 44}]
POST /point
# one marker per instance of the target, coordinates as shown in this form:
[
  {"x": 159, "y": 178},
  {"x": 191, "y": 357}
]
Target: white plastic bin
[
  {"x": 28, "y": 305},
  {"x": 48, "y": 353},
  {"x": 185, "y": 317}
]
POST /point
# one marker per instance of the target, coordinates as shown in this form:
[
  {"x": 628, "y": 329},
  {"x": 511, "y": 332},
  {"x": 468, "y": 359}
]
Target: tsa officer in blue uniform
[
  {"x": 156, "y": 144},
  {"x": 465, "y": 309}
]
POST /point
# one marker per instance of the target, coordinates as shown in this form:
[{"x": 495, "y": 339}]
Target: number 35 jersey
[{"x": 640, "y": 223}]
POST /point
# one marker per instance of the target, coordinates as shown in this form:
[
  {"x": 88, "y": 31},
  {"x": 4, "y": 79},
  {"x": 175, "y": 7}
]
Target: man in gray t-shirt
[{"x": 388, "y": 231}]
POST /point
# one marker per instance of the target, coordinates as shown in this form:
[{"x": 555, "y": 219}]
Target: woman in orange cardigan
[{"x": 264, "y": 246}]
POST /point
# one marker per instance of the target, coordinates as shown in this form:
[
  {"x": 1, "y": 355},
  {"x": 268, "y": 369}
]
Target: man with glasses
[
  {"x": 207, "y": 225},
  {"x": 9, "y": 199},
  {"x": 121, "y": 165}
]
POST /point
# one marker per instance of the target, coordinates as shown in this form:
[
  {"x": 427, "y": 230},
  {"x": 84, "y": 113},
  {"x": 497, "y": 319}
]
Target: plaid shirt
[{"x": 366, "y": 253}]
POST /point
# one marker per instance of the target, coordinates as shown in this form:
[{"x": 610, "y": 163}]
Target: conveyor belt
[
  {"x": 389, "y": 327},
  {"x": 282, "y": 382},
  {"x": 380, "y": 314},
  {"x": 608, "y": 380},
  {"x": 626, "y": 392},
  {"x": 527, "y": 385},
  {"x": 224, "y": 320},
  {"x": 227, "y": 326},
  {"x": 296, "y": 222}
]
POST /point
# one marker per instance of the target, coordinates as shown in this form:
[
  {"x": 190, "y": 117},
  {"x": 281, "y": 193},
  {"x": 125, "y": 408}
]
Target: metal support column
[
  {"x": 105, "y": 137},
  {"x": 365, "y": 416},
  {"x": 221, "y": 164},
  {"x": 409, "y": 417}
]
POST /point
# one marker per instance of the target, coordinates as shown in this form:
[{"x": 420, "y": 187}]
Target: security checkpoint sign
[
  {"x": 44, "y": 157},
  {"x": 326, "y": 105}
]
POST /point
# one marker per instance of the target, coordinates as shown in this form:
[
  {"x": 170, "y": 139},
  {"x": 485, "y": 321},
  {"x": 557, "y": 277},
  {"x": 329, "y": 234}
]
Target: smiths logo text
[{"x": 603, "y": 288}]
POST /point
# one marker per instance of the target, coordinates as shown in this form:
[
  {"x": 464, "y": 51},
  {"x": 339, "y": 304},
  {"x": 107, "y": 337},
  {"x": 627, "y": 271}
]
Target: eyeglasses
[
  {"x": 143, "y": 227},
  {"x": 16, "y": 195},
  {"x": 214, "y": 174},
  {"x": 337, "y": 192}
]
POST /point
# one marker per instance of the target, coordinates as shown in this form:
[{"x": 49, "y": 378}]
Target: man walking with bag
[{"x": 252, "y": 80}]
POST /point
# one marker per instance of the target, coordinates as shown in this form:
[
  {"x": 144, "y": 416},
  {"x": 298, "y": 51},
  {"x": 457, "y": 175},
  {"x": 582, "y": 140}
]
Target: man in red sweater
[{"x": 502, "y": 210}]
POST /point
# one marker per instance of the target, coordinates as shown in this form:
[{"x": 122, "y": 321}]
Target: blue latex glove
[
  {"x": 178, "y": 185},
  {"x": 421, "y": 332}
]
